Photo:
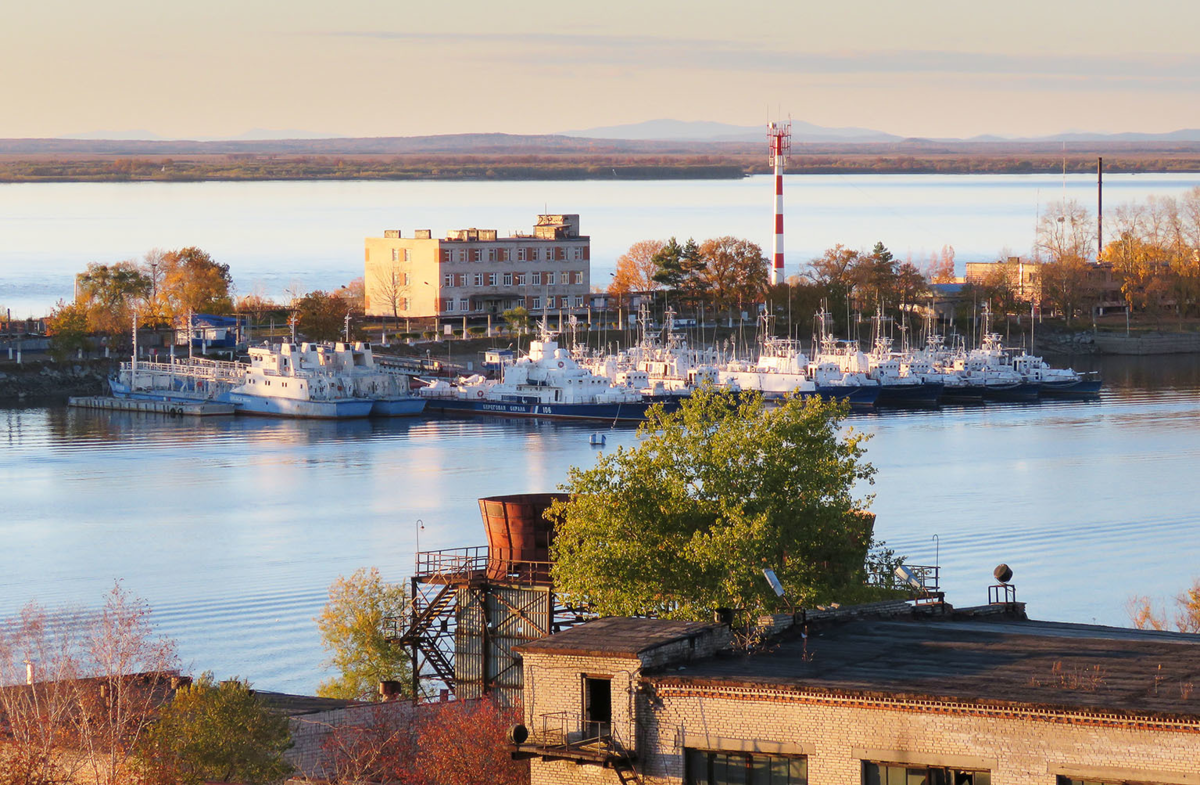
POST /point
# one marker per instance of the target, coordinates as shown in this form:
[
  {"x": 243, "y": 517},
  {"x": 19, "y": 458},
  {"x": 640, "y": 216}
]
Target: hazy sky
[{"x": 388, "y": 68}]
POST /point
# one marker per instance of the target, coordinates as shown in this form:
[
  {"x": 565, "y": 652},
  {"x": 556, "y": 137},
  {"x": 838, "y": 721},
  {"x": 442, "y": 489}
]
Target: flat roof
[
  {"x": 617, "y": 636},
  {"x": 976, "y": 659}
]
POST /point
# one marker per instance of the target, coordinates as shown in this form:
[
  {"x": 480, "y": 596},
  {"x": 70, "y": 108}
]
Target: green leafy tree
[
  {"x": 212, "y": 732},
  {"x": 686, "y": 521},
  {"x": 351, "y": 628},
  {"x": 680, "y": 268},
  {"x": 516, "y": 318},
  {"x": 322, "y": 316},
  {"x": 192, "y": 281}
]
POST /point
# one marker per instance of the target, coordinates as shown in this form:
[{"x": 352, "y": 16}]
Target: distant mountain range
[
  {"x": 253, "y": 135},
  {"x": 704, "y": 131}
]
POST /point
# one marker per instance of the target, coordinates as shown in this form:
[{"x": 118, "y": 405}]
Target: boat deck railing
[{"x": 195, "y": 368}]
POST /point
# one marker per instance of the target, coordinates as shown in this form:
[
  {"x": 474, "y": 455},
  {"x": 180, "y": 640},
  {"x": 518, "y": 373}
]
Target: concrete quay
[{"x": 170, "y": 408}]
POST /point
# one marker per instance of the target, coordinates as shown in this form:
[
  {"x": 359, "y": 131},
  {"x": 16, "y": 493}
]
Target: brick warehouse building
[
  {"x": 887, "y": 694},
  {"x": 474, "y": 273}
]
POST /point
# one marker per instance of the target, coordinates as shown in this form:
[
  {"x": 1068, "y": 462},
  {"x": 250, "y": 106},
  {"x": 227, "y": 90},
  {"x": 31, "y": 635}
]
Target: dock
[{"x": 169, "y": 408}]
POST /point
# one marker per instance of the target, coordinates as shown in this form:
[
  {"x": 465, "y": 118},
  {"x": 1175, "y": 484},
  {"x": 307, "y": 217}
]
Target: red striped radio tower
[{"x": 780, "y": 137}]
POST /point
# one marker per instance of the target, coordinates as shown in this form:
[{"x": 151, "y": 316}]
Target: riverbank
[
  {"x": 50, "y": 382},
  {"x": 1135, "y": 344}
]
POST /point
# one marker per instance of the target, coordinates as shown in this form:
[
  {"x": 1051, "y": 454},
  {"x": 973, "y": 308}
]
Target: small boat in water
[
  {"x": 1056, "y": 382},
  {"x": 291, "y": 380}
]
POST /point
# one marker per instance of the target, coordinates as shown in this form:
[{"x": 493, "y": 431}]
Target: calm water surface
[
  {"x": 234, "y": 528},
  {"x": 274, "y": 235}
]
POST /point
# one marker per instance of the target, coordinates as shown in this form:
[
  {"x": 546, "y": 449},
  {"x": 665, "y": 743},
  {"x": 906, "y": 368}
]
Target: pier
[{"x": 169, "y": 408}]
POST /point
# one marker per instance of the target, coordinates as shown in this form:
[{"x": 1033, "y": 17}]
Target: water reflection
[{"x": 234, "y": 527}]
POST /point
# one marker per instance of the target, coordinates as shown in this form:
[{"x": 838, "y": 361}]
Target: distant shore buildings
[{"x": 474, "y": 274}]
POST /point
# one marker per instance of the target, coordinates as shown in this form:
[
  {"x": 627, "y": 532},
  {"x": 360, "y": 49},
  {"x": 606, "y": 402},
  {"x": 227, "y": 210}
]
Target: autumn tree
[
  {"x": 215, "y": 732},
  {"x": 68, "y": 330},
  {"x": 110, "y": 293},
  {"x": 47, "y": 649},
  {"x": 322, "y": 317},
  {"x": 636, "y": 269},
  {"x": 1146, "y": 615},
  {"x": 193, "y": 281},
  {"x": 832, "y": 271},
  {"x": 873, "y": 278},
  {"x": 375, "y": 744},
  {"x": 734, "y": 271},
  {"x": 941, "y": 265},
  {"x": 351, "y": 627},
  {"x": 465, "y": 743},
  {"x": 686, "y": 520},
  {"x": 354, "y": 296},
  {"x": 131, "y": 670}
]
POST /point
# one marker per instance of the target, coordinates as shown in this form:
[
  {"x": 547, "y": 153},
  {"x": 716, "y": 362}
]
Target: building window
[
  {"x": 445, "y": 254},
  {"x": 521, "y": 255},
  {"x": 405, "y": 305},
  {"x": 537, "y": 303},
  {"x": 521, "y": 279},
  {"x": 560, "y": 253},
  {"x": 448, "y": 279},
  {"x": 476, "y": 254},
  {"x": 449, "y": 303},
  {"x": 478, "y": 278},
  {"x": 462, "y": 279},
  {"x": 407, "y": 280},
  {"x": 578, "y": 276},
  {"x": 579, "y": 301},
  {"x": 710, "y": 768},
  {"x": 408, "y": 254},
  {"x": 464, "y": 305},
  {"x": 893, "y": 774},
  {"x": 491, "y": 279},
  {"x": 576, "y": 253},
  {"x": 395, "y": 254},
  {"x": 550, "y": 278},
  {"x": 537, "y": 279},
  {"x": 508, "y": 279}
]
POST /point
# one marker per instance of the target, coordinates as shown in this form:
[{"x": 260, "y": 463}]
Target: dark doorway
[{"x": 597, "y": 706}]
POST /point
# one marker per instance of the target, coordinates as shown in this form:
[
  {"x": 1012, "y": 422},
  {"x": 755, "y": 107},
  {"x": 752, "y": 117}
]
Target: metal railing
[
  {"x": 206, "y": 370},
  {"x": 925, "y": 583},
  {"x": 565, "y": 730},
  {"x": 452, "y": 565}
]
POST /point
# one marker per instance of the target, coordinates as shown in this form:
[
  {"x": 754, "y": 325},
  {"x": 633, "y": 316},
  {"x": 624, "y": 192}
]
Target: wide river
[
  {"x": 278, "y": 235},
  {"x": 233, "y": 528}
]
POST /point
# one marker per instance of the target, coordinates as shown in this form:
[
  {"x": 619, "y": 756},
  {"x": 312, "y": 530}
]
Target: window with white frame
[
  {"x": 478, "y": 278},
  {"x": 579, "y": 301},
  {"x": 576, "y": 253},
  {"x": 578, "y": 276},
  {"x": 550, "y": 278},
  {"x": 537, "y": 279},
  {"x": 537, "y": 303},
  {"x": 464, "y": 305},
  {"x": 449, "y": 303},
  {"x": 508, "y": 279},
  {"x": 407, "y": 280},
  {"x": 521, "y": 279},
  {"x": 491, "y": 254},
  {"x": 521, "y": 255},
  {"x": 491, "y": 279},
  {"x": 476, "y": 254},
  {"x": 395, "y": 254},
  {"x": 408, "y": 254},
  {"x": 448, "y": 279},
  {"x": 406, "y": 304}
]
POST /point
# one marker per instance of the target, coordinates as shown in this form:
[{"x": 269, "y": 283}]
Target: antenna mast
[{"x": 779, "y": 135}]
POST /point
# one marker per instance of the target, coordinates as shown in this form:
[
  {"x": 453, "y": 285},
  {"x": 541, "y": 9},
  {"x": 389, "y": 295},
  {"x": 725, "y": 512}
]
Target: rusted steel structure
[{"x": 471, "y": 607}]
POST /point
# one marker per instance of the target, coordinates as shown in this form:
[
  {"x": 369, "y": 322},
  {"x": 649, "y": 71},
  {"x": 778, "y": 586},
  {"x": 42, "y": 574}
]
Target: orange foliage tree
[{"x": 636, "y": 268}]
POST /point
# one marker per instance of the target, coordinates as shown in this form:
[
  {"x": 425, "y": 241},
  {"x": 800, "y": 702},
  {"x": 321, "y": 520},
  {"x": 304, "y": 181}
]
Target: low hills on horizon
[{"x": 659, "y": 149}]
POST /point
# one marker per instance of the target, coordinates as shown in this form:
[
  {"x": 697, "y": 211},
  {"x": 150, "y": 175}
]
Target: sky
[{"x": 397, "y": 68}]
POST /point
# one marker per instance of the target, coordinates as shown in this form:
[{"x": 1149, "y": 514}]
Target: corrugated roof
[
  {"x": 617, "y": 636},
  {"x": 977, "y": 660}
]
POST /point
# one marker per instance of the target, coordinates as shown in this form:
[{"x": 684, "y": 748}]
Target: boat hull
[
  {"x": 608, "y": 412},
  {"x": 858, "y": 396},
  {"x": 1025, "y": 391},
  {"x": 340, "y": 409},
  {"x": 962, "y": 394},
  {"x": 1080, "y": 388},
  {"x": 397, "y": 407},
  {"x": 926, "y": 394}
]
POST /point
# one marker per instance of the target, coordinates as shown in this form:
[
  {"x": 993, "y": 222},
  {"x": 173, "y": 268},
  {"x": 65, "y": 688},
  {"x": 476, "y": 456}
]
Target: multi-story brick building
[
  {"x": 475, "y": 273},
  {"x": 875, "y": 695}
]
